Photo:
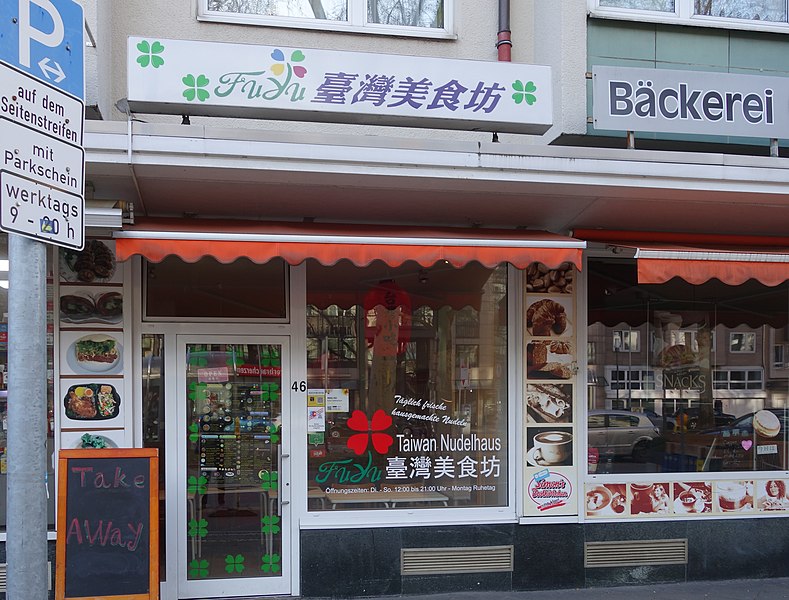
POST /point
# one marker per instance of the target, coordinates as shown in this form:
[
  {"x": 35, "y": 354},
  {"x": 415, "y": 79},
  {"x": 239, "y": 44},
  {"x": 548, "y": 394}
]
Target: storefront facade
[{"x": 382, "y": 359}]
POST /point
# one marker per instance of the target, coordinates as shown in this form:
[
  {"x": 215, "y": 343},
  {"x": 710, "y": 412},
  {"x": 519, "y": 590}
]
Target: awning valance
[
  {"x": 227, "y": 241},
  {"x": 732, "y": 260}
]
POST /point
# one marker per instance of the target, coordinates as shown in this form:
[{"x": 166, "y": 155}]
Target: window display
[
  {"x": 702, "y": 392},
  {"x": 407, "y": 378}
]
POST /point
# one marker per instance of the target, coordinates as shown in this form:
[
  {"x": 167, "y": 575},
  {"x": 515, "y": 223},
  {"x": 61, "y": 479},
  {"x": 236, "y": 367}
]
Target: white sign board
[
  {"x": 42, "y": 171},
  {"x": 299, "y": 84},
  {"x": 663, "y": 100}
]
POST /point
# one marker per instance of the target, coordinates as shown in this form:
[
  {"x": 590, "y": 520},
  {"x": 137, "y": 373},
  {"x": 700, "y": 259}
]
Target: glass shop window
[
  {"x": 693, "y": 407},
  {"x": 407, "y": 386},
  {"x": 241, "y": 290}
]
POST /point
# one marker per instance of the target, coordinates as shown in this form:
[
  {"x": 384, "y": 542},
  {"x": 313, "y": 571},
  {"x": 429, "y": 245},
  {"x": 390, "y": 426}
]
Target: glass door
[{"x": 233, "y": 488}]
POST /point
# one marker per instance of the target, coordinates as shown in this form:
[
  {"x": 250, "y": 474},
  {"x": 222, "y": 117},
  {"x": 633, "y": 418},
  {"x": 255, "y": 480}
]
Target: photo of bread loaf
[
  {"x": 550, "y": 360},
  {"x": 549, "y": 317}
]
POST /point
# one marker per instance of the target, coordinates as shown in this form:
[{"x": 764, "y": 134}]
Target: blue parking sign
[{"x": 45, "y": 38}]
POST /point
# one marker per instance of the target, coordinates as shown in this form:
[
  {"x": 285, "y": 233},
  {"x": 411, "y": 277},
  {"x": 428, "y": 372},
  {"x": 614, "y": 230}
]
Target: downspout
[{"x": 503, "y": 40}]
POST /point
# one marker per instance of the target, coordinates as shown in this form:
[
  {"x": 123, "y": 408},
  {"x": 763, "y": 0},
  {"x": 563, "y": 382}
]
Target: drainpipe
[{"x": 504, "y": 41}]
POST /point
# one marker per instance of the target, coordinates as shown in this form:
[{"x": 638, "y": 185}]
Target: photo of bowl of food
[
  {"x": 83, "y": 307},
  {"x": 92, "y": 402},
  {"x": 95, "y": 353}
]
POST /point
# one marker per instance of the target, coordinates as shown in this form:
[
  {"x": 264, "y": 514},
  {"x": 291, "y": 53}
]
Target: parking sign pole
[{"x": 26, "y": 523}]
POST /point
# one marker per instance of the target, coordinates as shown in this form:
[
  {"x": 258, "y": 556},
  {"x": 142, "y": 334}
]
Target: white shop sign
[
  {"x": 234, "y": 80},
  {"x": 669, "y": 101}
]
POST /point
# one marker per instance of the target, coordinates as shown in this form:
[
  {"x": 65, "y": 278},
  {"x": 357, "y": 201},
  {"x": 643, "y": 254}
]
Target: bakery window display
[
  {"x": 735, "y": 496},
  {"x": 692, "y": 497},
  {"x": 549, "y": 403},
  {"x": 549, "y": 317},
  {"x": 542, "y": 279},
  {"x": 550, "y": 360},
  {"x": 650, "y": 499}
]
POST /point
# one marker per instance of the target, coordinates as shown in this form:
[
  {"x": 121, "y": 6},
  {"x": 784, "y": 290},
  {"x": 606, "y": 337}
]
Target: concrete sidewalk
[{"x": 743, "y": 589}]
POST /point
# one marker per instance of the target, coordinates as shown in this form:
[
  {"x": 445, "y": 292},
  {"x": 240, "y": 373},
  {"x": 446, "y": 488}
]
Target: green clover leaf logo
[
  {"x": 269, "y": 392},
  {"x": 234, "y": 563},
  {"x": 198, "y": 568},
  {"x": 275, "y": 431},
  {"x": 524, "y": 92},
  {"x": 271, "y": 563},
  {"x": 149, "y": 53},
  {"x": 193, "y": 435},
  {"x": 193, "y": 89},
  {"x": 198, "y": 528},
  {"x": 269, "y": 524},
  {"x": 196, "y": 485},
  {"x": 269, "y": 480}
]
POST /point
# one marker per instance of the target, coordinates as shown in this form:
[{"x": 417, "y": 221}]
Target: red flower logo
[{"x": 359, "y": 441}]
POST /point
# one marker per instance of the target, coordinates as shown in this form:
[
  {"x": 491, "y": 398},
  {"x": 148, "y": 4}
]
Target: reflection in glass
[
  {"x": 701, "y": 382},
  {"x": 754, "y": 10},
  {"x": 656, "y": 5},
  {"x": 410, "y": 13},
  {"x": 153, "y": 422},
  {"x": 407, "y": 378},
  {"x": 331, "y": 10}
]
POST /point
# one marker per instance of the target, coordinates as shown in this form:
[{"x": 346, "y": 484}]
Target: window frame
[
  {"x": 748, "y": 349},
  {"x": 357, "y": 23},
  {"x": 683, "y": 15}
]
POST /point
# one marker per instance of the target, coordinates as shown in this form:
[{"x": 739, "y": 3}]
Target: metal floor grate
[
  {"x": 440, "y": 561},
  {"x": 636, "y": 553}
]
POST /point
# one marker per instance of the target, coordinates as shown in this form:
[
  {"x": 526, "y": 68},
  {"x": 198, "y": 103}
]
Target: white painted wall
[{"x": 540, "y": 30}]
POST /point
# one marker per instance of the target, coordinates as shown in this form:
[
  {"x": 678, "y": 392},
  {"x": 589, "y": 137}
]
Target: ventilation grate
[
  {"x": 438, "y": 561},
  {"x": 4, "y": 577},
  {"x": 636, "y": 553}
]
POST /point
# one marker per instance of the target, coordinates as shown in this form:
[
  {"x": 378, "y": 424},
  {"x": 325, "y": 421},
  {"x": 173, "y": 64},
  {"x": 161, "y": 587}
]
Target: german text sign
[{"x": 108, "y": 524}]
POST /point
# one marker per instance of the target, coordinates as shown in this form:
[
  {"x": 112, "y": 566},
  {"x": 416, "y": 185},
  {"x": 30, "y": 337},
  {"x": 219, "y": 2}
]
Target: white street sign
[{"x": 42, "y": 185}]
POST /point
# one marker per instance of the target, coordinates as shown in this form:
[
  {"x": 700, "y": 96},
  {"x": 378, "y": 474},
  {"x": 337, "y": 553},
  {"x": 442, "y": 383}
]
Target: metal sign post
[{"x": 42, "y": 165}]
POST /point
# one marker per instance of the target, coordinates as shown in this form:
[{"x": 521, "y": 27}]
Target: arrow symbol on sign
[{"x": 48, "y": 70}]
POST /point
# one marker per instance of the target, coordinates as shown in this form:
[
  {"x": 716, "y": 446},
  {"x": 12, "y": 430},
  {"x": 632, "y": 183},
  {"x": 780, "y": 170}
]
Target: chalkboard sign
[{"x": 108, "y": 524}]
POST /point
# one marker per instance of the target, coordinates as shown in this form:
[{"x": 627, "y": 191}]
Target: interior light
[
  {"x": 4, "y": 265},
  {"x": 4, "y": 284}
]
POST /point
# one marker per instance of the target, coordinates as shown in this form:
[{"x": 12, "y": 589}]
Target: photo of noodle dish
[{"x": 92, "y": 402}]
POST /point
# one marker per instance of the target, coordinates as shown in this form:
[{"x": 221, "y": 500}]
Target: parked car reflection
[{"x": 622, "y": 434}]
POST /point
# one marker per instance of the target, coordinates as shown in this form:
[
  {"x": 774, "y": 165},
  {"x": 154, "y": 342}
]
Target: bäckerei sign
[
  {"x": 234, "y": 80},
  {"x": 628, "y": 99}
]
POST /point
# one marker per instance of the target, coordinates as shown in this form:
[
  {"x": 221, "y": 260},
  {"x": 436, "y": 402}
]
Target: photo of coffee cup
[{"x": 552, "y": 448}]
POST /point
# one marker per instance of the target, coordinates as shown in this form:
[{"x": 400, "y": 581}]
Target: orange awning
[
  {"x": 227, "y": 241},
  {"x": 698, "y": 258}
]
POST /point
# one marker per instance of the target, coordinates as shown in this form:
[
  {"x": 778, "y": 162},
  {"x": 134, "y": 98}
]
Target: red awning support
[{"x": 227, "y": 241}]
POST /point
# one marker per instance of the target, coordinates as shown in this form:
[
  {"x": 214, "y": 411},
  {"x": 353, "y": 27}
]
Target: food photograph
[
  {"x": 89, "y": 307},
  {"x": 549, "y": 403},
  {"x": 541, "y": 279},
  {"x": 94, "y": 264},
  {"x": 100, "y": 353},
  {"x": 549, "y": 446},
  {"x": 550, "y": 317},
  {"x": 607, "y": 500},
  {"x": 93, "y": 401},
  {"x": 550, "y": 360},
  {"x": 692, "y": 497},
  {"x": 735, "y": 496}
]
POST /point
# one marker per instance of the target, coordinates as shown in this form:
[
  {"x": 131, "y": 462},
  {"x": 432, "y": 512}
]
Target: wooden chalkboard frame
[{"x": 153, "y": 511}]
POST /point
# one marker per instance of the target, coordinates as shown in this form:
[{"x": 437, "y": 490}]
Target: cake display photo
[
  {"x": 650, "y": 499},
  {"x": 549, "y": 403},
  {"x": 766, "y": 424},
  {"x": 771, "y": 495},
  {"x": 692, "y": 497},
  {"x": 549, "y": 317},
  {"x": 550, "y": 360},
  {"x": 606, "y": 500},
  {"x": 735, "y": 496}
]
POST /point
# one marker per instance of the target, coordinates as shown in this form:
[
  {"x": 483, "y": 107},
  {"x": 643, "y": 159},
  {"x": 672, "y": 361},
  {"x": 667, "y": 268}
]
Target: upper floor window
[
  {"x": 739, "y": 14},
  {"x": 426, "y": 18}
]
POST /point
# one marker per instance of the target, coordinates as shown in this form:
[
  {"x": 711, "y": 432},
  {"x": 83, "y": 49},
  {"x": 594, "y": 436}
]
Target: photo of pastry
[
  {"x": 90, "y": 306},
  {"x": 541, "y": 279},
  {"x": 550, "y": 317},
  {"x": 771, "y": 495},
  {"x": 692, "y": 497},
  {"x": 606, "y": 500},
  {"x": 550, "y": 360},
  {"x": 734, "y": 496},
  {"x": 94, "y": 264},
  {"x": 650, "y": 499},
  {"x": 549, "y": 403}
]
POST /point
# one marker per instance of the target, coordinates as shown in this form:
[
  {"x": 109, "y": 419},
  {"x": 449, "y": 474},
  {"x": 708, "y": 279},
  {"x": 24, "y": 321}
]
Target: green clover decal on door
[
  {"x": 198, "y": 569},
  {"x": 149, "y": 54},
  {"x": 270, "y": 524},
  {"x": 268, "y": 480},
  {"x": 198, "y": 528},
  {"x": 234, "y": 563},
  {"x": 270, "y": 563},
  {"x": 196, "y": 485},
  {"x": 524, "y": 92},
  {"x": 194, "y": 87}
]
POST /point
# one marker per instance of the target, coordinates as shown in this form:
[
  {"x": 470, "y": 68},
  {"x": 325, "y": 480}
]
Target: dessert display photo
[
  {"x": 692, "y": 497},
  {"x": 549, "y": 446},
  {"x": 550, "y": 359},
  {"x": 650, "y": 499},
  {"x": 735, "y": 496},
  {"x": 606, "y": 500},
  {"x": 549, "y": 403},
  {"x": 550, "y": 317}
]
